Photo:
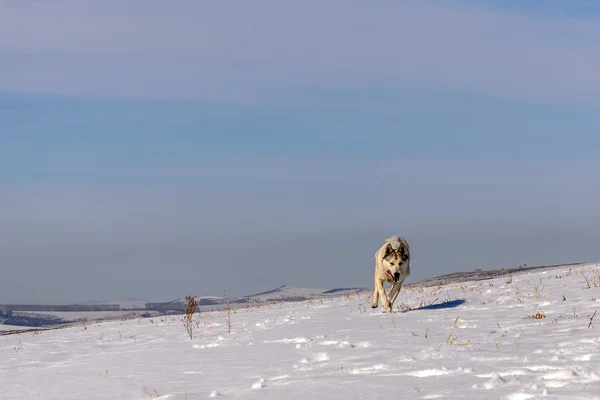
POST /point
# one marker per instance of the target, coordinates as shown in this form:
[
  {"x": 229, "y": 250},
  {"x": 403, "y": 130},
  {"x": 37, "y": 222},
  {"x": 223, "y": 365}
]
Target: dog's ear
[
  {"x": 388, "y": 250},
  {"x": 404, "y": 252}
]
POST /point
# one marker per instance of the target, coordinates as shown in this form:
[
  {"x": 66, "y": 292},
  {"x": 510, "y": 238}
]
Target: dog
[{"x": 392, "y": 264}]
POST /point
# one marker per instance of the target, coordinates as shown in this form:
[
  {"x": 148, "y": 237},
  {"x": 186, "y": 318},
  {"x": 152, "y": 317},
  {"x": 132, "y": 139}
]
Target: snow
[{"x": 470, "y": 340}]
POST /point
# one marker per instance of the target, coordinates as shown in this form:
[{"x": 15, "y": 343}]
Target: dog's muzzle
[{"x": 396, "y": 276}]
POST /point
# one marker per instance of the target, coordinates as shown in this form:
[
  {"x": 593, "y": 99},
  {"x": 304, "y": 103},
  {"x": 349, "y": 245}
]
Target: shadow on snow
[{"x": 439, "y": 306}]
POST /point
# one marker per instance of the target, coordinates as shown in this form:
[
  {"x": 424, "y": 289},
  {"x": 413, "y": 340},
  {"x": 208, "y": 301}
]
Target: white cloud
[{"x": 213, "y": 50}]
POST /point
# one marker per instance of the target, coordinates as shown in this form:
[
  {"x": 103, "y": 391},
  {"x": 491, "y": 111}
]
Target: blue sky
[
  {"x": 284, "y": 143},
  {"x": 581, "y": 9}
]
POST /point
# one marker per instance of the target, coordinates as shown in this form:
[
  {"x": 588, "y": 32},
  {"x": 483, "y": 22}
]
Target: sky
[{"x": 154, "y": 150}]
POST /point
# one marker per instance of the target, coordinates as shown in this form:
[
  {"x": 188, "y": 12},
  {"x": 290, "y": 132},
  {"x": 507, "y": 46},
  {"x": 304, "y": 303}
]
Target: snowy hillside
[
  {"x": 527, "y": 336},
  {"x": 286, "y": 292}
]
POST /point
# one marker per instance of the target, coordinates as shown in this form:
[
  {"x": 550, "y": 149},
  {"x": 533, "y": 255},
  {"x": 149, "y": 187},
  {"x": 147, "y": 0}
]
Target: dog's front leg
[
  {"x": 375, "y": 303},
  {"x": 384, "y": 298},
  {"x": 394, "y": 291}
]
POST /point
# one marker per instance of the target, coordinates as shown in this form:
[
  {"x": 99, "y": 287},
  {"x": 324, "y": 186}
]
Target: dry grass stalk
[
  {"x": 229, "y": 320},
  {"x": 592, "y": 319},
  {"x": 452, "y": 337},
  {"x": 594, "y": 281},
  {"x": 538, "y": 315},
  {"x": 152, "y": 393},
  {"x": 252, "y": 303},
  {"x": 190, "y": 309},
  {"x": 228, "y": 312}
]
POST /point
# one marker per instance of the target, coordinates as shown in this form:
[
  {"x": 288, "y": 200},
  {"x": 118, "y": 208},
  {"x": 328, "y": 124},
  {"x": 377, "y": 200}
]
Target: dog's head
[{"x": 395, "y": 259}]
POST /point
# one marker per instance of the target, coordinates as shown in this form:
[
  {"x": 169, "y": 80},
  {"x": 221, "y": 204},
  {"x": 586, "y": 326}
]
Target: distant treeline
[
  {"x": 33, "y": 320},
  {"x": 8, "y": 309}
]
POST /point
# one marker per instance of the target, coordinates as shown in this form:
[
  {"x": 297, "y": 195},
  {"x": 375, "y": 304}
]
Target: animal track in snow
[
  {"x": 519, "y": 396},
  {"x": 582, "y": 375},
  {"x": 259, "y": 384},
  {"x": 496, "y": 380},
  {"x": 555, "y": 384},
  {"x": 296, "y": 340},
  {"x": 369, "y": 370},
  {"x": 585, "y": 357},
  {"x": 338, "y": 344},
  {"x": 494, "y": 358},
  {"x": 281, "y": 377},
  {"x": 425, "y": 373},
  {"x": 286, "y": 321},
  {"x": 206, "y": 346},
  {"x": 542, "y": 367},
  {"x": 317, "y": 357}
]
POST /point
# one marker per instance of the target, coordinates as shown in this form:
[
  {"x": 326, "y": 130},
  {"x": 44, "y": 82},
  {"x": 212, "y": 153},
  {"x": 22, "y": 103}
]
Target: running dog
[{"x": 392, "y": 264}]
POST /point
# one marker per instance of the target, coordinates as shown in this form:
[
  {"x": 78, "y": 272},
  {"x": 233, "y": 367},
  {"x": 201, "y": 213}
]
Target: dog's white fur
[{"x": 392, "y": 258}]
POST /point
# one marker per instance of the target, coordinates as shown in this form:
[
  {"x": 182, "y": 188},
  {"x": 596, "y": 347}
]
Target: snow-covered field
[{"x": 474, "y": 340}]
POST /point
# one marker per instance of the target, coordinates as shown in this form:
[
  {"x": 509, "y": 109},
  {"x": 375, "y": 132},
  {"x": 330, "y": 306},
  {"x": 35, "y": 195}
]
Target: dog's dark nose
[{"x": 396, "y": 276}]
